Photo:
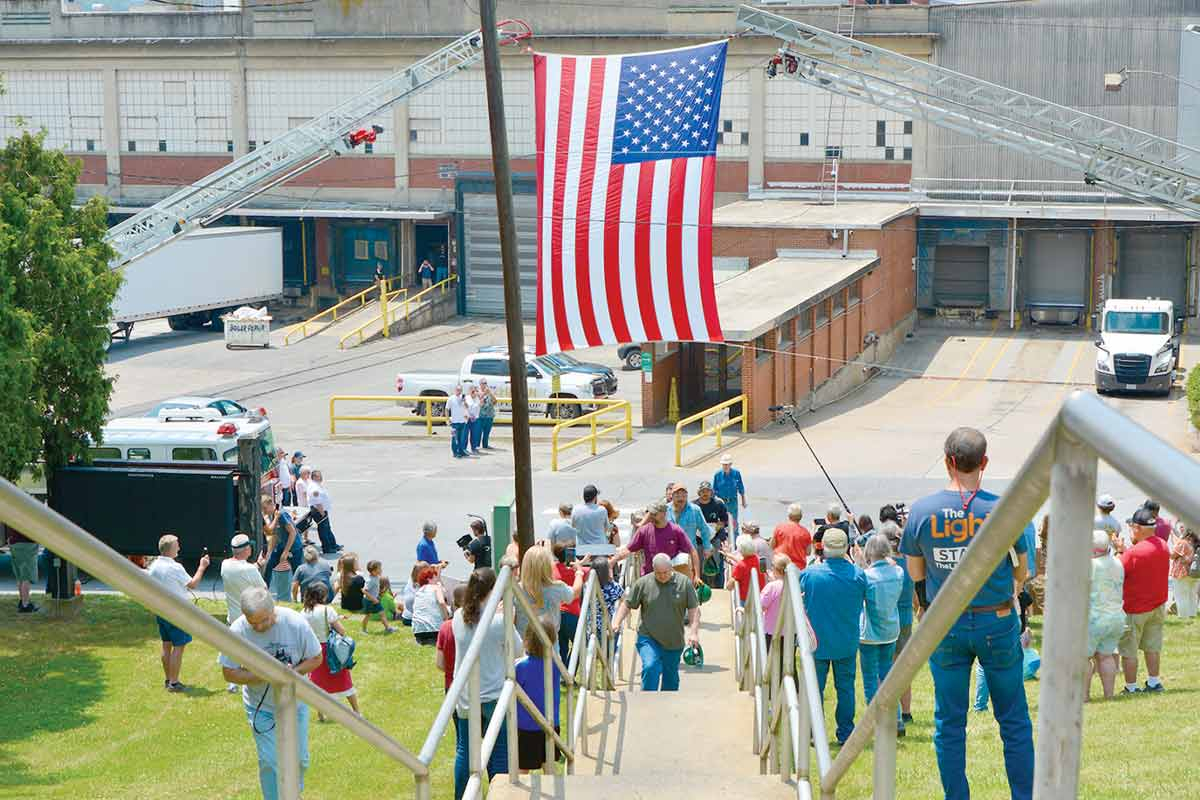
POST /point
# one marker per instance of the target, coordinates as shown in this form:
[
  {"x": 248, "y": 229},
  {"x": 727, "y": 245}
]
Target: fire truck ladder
[
  {"x": 300, "y": 149},
  {"x": 835, "y": 120},
  {"x": 1132, "y": 162}
]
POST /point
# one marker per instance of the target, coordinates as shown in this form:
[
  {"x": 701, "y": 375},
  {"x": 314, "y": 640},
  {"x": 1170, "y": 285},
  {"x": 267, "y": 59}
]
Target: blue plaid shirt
[{"x": 691, "y": 519}]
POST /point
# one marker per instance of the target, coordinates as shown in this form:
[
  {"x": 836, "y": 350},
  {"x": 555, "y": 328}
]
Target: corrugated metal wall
[{"x": 1058, "y": 50}]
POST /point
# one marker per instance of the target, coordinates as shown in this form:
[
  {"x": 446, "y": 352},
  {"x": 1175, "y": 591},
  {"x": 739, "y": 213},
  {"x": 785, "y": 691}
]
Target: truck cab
[{"x": 1138, "y": 348}]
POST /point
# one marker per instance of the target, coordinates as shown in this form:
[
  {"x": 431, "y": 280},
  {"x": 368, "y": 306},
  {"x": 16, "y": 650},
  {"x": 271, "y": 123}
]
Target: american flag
[{"x": 626, "y": 165}]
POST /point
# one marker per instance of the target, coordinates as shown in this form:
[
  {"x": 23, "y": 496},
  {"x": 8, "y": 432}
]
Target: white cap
[
  {"x": 727, "y": 459},
  {"x": 1106, "y": 501}
]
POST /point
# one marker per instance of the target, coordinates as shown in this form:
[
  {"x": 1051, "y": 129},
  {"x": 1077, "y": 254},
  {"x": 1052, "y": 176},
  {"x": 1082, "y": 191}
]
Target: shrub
[{"x": 1193, "y": 395}]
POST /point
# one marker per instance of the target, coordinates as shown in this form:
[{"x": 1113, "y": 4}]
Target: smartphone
[{"x": 569, "y": 555}]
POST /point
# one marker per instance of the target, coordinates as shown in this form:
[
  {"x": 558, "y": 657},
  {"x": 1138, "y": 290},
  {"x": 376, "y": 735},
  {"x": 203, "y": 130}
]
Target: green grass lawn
[{"x": 83, "y": 715}]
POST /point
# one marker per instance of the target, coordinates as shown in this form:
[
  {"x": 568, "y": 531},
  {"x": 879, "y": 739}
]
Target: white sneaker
[{"x": 232, "y": 688}]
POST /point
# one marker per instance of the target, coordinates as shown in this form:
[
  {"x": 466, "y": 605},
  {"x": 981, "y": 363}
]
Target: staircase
[
  {"x": 835, "y": 122},
  {"x": 685, "y": 745}
]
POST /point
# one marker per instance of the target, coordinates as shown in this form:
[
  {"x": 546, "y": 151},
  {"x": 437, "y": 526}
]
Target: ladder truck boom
[
  {"x": 301, "y": 148},
  {"x": 1138, "y": 164}
]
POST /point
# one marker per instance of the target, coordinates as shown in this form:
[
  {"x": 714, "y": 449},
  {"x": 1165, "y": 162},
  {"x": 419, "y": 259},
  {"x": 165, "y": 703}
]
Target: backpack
[
  {"x": 1194, "y": 567},
  {"x": 339, "y": 652}
]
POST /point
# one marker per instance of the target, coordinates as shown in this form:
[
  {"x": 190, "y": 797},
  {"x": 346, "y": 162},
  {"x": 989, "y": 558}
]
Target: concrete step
[{"x": 676, "y": 779}]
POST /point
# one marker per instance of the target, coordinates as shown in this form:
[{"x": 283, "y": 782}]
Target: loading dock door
[
  {"x": 960, "y": 276},
  {"x": 1056, "y": 274},
  {"x": 481, "y": 257},
  {"x": 1154, "y": 264}
]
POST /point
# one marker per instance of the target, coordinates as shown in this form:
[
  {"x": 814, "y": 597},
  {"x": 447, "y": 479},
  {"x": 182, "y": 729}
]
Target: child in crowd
[
  {"x": 371, "y": 605},
  {"x": 610, "y": 590},
  {"x": 407, "y": 592},
  {"x": 322, "y": 619},
  {"x": 531, "y": 677},
  {"x": 350, "y": 583},
  {"x": 387, "y": 600}
]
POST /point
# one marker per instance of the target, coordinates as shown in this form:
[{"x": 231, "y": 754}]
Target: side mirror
[
  {"x": 1095, "y": 321},
  {"x": 1179, "y": 325}
]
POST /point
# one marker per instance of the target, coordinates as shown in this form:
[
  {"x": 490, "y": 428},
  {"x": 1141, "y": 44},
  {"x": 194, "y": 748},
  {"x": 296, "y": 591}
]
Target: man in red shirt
[
  {"x": 1146, "y": 565},
  {"x": 793, "y": 539}
]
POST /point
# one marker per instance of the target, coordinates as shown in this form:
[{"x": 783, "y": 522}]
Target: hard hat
[{"x": 694, "y": 656}]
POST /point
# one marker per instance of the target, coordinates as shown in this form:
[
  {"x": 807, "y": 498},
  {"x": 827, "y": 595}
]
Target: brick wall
[{"x": 656, "y": 396}]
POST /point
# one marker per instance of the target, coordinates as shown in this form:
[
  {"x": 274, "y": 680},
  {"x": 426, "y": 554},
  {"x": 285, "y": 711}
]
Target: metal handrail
[
  {"x": 716, "y": 430},
  {"x": 385, "y": 312},
  {"x": 428, "y": 417},
  {"x": 578, "y": 673},
  {"x": 1062, "y": 466},
  {"x": 361, "y": 298},
  {"x": 72, "y": 543},
  {"x": 592, "y": 418}
]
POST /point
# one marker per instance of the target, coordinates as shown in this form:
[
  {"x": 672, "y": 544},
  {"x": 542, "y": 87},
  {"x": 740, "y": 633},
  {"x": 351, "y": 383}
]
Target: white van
[{"x": 194, "y": 435}]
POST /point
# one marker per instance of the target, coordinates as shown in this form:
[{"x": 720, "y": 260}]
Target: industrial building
[{"x": 928, "y": 222}]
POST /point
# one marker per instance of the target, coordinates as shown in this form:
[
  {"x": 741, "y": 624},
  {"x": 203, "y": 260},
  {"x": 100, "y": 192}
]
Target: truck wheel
[
  {"x": 633, "y": 359},
  {"x": 564, "y": 410},
  {"x": 178, "y": 322},
  {"x": 437, "y": 408},
  {"x": 214, "y": 319}
]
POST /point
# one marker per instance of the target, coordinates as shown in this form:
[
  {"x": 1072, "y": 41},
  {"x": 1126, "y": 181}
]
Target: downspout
[{"x": 1012, "y": 253}]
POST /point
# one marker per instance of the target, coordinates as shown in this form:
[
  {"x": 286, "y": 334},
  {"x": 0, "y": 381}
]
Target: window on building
[
  {"x": 785, "y": 336},
  {"x": 368, "y": 148},
  {"x": 162, "y": 145},
  {"x": 90, "y": 145},
  {"x": 880, "y": 133},
  {"x": 822, "y": 309},
  {"x": 761, "y": 347},
  {"x": 381, "y": 250},
  {"x": 804, "y": 139},
  {"x": 804, "y": 323},
  {"x": 855, "y": 292},
  {"x": 839, "y": 302},
  {"x": 193, "y": 454},
  {"x": 229, "y": 145},
  {"x": 131, "y": 146},
  {"x": 833, "y": 152},
  {"x": 253, "y": 145},
  {"x": 362, "y": 249}
]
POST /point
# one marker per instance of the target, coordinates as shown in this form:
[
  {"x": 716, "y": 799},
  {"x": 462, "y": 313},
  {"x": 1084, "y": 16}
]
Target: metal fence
[
  {"x": 1062, "y": 466},
  {"x": 716, "y": 429}
]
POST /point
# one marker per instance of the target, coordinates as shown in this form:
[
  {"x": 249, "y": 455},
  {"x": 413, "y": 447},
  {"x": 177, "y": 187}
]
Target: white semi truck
[
  {"x": 198, "y": 278},
  {"x": 1138, "y": 348}
]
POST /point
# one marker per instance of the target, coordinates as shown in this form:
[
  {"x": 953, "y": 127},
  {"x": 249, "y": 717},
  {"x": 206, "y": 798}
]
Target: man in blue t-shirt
[
  {"x": 426, "y": 548},
  {"x": 939, "y": 529}
]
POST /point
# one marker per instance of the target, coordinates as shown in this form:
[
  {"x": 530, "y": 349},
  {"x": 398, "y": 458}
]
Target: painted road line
[
  {"x": 970, "y": 363},
  {"x": 1057, "y": 396}
]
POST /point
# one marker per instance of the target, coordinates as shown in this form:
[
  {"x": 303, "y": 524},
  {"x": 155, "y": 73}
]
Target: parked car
[
  {"x": 494, "y": 367},
  {"x": 224, "y": 406},
  {"x": 566, "y": 362},
  {"x": 630, "y": 355}
]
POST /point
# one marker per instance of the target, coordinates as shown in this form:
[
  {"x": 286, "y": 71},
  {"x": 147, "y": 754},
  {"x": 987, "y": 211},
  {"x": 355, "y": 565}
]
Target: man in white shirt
[
  {"x": 320, "y": 505},
  {"x": 456, "y": 407},
  {"x": 284, "y": 469},
  {"x": 237, "y": 575},
  {"x": 300, "y": 487},
  {"x": 286, "y": 636},
  {"x": 171, "y": 574}
]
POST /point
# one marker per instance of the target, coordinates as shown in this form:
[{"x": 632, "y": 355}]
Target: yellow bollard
[
  {"x": 673, "y": 404},
  {"x": 383, "y": 307}
]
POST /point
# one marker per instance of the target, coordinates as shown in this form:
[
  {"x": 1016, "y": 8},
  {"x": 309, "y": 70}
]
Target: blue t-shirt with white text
[{"x": 939, "y": 530}]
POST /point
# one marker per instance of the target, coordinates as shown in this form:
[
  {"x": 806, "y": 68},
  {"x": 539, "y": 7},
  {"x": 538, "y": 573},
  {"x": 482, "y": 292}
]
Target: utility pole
[{"x": 522, "y": 468}]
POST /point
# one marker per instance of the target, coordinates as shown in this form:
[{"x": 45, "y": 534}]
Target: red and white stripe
[{"x": 624, "y": 250}]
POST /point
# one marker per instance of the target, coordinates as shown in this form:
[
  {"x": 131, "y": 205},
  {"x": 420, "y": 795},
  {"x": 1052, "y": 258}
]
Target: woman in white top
[
  {"x": 1106, "y": 613},
  {"x": 543, "y": 592},
  {"x": 493, "y": 664},
  {"x": 429, "y": 607},
  {"x": 323, "y": 619}
]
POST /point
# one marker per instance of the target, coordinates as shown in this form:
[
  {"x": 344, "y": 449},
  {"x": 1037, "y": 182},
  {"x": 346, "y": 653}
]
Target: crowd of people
[{"x": 863, "y": 586}]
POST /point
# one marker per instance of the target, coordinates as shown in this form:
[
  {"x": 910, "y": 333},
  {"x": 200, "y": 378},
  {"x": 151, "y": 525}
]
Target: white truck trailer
[{"x": 198, "y": 278}]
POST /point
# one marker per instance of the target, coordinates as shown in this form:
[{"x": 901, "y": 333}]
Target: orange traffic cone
[{"x": 78, "y": 588}]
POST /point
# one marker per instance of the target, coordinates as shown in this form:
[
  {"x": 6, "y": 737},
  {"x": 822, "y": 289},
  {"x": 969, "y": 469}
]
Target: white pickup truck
[
  {"x": 1138, "y": 348},
  {"x": 494, "y": 367}
]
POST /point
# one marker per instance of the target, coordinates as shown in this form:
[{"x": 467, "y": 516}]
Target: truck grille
[{"x": 1131, "y": 367}]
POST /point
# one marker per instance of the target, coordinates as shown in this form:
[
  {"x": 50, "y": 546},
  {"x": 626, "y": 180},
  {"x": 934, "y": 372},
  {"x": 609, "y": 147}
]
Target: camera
[
  {"x": 281, "y": 655},
  {"x": 463, "y": 541},
  {"x": 568, "y": 555}
]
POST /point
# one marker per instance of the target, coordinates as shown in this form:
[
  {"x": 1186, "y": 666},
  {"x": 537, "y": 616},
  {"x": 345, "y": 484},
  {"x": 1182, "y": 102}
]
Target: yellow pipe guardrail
[
  {"x": 341, "y": 308},
  {"x": 681, "y": 443},
  {"x": 429, "y": 402},
  {"x": 386, "y": 313},
  {"x": 593, "y": 418}
]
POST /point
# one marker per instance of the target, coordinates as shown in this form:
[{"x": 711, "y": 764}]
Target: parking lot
[{"x": 881, "y": 443}]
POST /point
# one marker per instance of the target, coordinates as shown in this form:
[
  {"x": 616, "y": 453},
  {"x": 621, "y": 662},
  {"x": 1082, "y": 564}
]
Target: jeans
[
  {"x": 876, "y": 661},
  {"x": 994, "y": 640},
  {"x": 325, "y": 534},
  {"x": 262, "y": 726},
  {"x": 497, "y": 764},
  {"x": 981, "y": 690},
  {"x": 289, "y": 497},
  {"x": 732, "y": 506},
  {"x": 473, "y": 433},
  {"x": 458, "y": 438},
  {"x": 281, "y": 585},
  {"x": 485, "y": 431},
  {"x": 843, "y": 684},
  {"x": 658, "y": 665},
  {"x": 566, "y": 635}
]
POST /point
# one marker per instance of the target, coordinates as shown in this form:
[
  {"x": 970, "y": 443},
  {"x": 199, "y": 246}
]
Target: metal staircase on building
[{"x": 835, "y": 121}]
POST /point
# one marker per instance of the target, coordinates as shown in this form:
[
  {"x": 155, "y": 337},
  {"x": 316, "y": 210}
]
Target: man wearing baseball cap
[
  {"x": 1105, "y": 521},
  {"x": 838, "y": 588},
  {"x": 689, "y": 517},
  {"x": 939, "y": 530},
  {"x": 239, "y": 573},
  {"x": 1147, "y": 566},
  {"x": 659, "y": 535},
  {"x": 716, "y": 514}
]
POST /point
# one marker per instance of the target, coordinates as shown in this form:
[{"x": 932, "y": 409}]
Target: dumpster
[{"x": 247, "y": 331}]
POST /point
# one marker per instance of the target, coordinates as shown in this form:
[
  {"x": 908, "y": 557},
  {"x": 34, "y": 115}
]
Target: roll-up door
[
  {"x": 960, "y": 275},
  {"x": 481, "y": 259},
  {"x": 1056, "y": 274},
  {"x": 1154, "y": 264}
]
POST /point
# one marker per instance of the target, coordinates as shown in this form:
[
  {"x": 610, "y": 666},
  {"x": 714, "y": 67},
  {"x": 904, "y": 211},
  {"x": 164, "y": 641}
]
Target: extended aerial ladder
[
  {"x": 1132, "y": 162},
  {"x": 300, "y": 149}
]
